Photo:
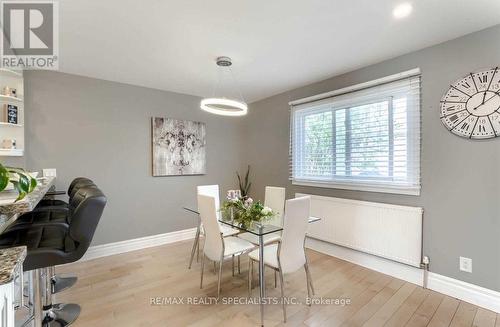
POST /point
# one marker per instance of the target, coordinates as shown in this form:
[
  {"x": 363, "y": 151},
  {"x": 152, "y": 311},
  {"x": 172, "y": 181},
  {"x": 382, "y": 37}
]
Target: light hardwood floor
[{"x": 117, "y": 291}]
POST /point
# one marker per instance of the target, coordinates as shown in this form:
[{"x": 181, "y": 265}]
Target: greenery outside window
[{"x": 365, "y": 140}]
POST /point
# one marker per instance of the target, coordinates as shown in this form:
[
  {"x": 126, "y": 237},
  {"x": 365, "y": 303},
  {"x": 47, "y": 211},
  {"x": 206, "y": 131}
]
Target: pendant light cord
[
  {"x": 236, "y": 84},
  {"x": 220, "y": 73},
  {"x": 216, "y": 85}
]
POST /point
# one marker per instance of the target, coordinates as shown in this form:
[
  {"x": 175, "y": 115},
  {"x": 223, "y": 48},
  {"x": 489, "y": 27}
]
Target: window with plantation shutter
[{"x": 365, "y": 137}]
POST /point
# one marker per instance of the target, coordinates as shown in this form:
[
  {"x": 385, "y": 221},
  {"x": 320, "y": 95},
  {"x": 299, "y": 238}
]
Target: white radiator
[{"x": 389, "y": 231}]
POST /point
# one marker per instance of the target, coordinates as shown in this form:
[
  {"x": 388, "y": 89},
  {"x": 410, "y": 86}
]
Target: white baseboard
[
  {"x": 408, "y": 273},
  {"x": 105, "y": 250},
  {"x": 467, "y": 292},
  {"x": 471, "y": 293}
]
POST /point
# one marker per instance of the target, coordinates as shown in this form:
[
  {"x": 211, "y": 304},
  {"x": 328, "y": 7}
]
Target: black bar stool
[
  {"x": 72, "y": 189},
  {"x": 56, "y": 243},
  {"x": 54, "y": 211}
]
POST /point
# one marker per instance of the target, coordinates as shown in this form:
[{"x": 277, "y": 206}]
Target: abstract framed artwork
[{"x": 179, "y": 147}]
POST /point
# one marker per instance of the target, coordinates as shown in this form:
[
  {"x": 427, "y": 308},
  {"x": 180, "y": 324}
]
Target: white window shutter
[{"x": 366, "y": 139}]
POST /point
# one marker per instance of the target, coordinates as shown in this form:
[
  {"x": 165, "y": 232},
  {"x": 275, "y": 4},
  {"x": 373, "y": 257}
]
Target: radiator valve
[{"x": 425, "y": 266}]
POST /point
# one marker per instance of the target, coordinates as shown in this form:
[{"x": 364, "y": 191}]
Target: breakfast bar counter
[
  {"x": 10, "y": 210},
  {"x": 10, "y": 259},
  {"x": 11, "y": 282}
]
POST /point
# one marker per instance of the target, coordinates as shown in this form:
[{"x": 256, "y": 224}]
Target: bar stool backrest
[
  {"x": 89, "y": 203},
  {"x": 78, "y": 185},
  {"x": 77, "y": 181}
]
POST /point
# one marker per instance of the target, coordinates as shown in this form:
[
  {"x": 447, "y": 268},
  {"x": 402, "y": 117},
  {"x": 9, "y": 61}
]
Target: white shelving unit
[
  {"x": 10, "y": 72},
  {"x": 9, "y": 131},
  {"x": 11, "y": 152}
]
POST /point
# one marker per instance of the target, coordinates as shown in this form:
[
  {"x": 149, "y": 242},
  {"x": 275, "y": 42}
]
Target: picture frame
[
  {"x": 178, "y": 147},
  {"x": 12, "y": 114}
]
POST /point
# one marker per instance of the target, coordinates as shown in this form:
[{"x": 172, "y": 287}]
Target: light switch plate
[
  {"x": 49, "y": 172},
  {"x": 466, "y": 264}
]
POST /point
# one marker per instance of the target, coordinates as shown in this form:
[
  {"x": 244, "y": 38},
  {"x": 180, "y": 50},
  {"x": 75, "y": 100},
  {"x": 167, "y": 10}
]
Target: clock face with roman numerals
[{"x": 471, "y": 107}]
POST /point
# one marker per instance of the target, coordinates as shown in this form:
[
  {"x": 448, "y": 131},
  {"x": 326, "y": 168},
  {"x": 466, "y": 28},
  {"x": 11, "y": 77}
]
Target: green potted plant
[
  {"x": 244, "y": 184},
  {"x": 21, "y": 180}
]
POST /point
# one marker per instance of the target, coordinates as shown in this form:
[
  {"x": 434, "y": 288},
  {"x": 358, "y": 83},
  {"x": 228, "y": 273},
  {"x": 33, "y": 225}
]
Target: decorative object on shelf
[
  {"x": 221, "y": 105},
  {"x": 244, "y": 185},
  {"x": 245, "y": 211},
  {"x": 21, "y": 179},
  {"x": 11, "y": 114},
  {"x": 9, "y": 144},
  {"x": 9, "y": 91},
  {"x": 178, "y": 147},
  {"x": 471, "y": 107}
]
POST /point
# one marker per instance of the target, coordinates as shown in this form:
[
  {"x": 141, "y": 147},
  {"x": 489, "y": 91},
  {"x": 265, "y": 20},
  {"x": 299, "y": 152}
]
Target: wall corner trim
[
  {"x": 464, "y": 291},
  {"x": 104, "y": 250}
]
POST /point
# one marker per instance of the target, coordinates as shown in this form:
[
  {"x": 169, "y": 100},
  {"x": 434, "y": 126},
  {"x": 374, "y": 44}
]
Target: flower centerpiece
[{"x": 245, "y": 211}]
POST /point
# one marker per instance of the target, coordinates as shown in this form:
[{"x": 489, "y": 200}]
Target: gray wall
[
  {"x": 460, "y": 178},
  {"x": 102, "y": 130},
  {"x": 89, "y": 127}
]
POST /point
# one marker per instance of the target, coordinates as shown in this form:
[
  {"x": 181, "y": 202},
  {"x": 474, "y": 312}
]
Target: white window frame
[{"x": 413, "y": 138}]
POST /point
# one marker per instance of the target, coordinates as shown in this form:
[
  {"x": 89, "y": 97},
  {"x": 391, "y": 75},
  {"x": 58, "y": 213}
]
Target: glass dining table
[{"x": 257, "y": 229}]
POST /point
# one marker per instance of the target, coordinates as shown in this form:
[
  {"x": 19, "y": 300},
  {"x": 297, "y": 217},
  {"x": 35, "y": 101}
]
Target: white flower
[
  {"x": 266, "y": 211},
  {"x": 248, "y": 202}
]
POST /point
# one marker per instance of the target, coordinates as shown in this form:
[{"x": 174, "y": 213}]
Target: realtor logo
[{"x": 30, "y": 35}]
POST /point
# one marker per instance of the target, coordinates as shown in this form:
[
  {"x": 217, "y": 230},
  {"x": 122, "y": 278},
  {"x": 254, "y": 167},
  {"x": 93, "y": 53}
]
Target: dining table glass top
[{"x": 256, "y": 228}]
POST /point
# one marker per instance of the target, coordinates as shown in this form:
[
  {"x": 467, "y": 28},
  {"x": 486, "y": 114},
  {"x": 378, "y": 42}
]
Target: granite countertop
[
  {"x": 9, "y": 207},
  {"x": 9, "y": 258}
]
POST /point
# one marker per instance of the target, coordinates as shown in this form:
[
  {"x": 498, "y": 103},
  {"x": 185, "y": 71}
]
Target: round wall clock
[{"x": 471, "y": 107}]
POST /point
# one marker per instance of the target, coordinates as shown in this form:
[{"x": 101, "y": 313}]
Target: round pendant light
[{"x": 223, "y": 106}]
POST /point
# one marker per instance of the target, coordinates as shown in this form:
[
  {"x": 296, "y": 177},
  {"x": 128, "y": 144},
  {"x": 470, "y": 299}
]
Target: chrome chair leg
[
  {"x": 202, "y": 268},
  {"x": 250, "y": 273},
  {"x": 308, "y": 284},
  {"x": 232, "y": 263},
  {"x": 275, "y": 279},
  {"x": 308, "y": 276},
  {"x": 198, "y": 250},
  {"x": 195, "y": 245},
  {"x": 220, "y": 277},
  {"x": 282, "y": 295},
  {"x": 239, "y": 268},
  {"x": 215, "y": 267}
]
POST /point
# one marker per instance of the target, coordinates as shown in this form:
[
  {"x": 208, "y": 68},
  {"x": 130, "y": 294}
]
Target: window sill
[{"x": 361, "y": 187}]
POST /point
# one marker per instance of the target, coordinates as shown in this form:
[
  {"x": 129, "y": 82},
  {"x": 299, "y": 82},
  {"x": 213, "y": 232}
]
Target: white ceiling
[{"x": 276, "y": 45}]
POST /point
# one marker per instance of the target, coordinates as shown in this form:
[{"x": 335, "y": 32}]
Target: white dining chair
[
  {"x": 213, "y": 191},
  {"x": 274, "y": 199},
  {"x": 216, "y": 247},
  {"x": 288, "y": 255}
]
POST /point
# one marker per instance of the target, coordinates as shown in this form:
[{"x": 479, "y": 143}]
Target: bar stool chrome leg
[
  {"x": 55, "y": 315},
  {"x": 37, "y": 300},
  {"x": 59, "y": 283}
]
